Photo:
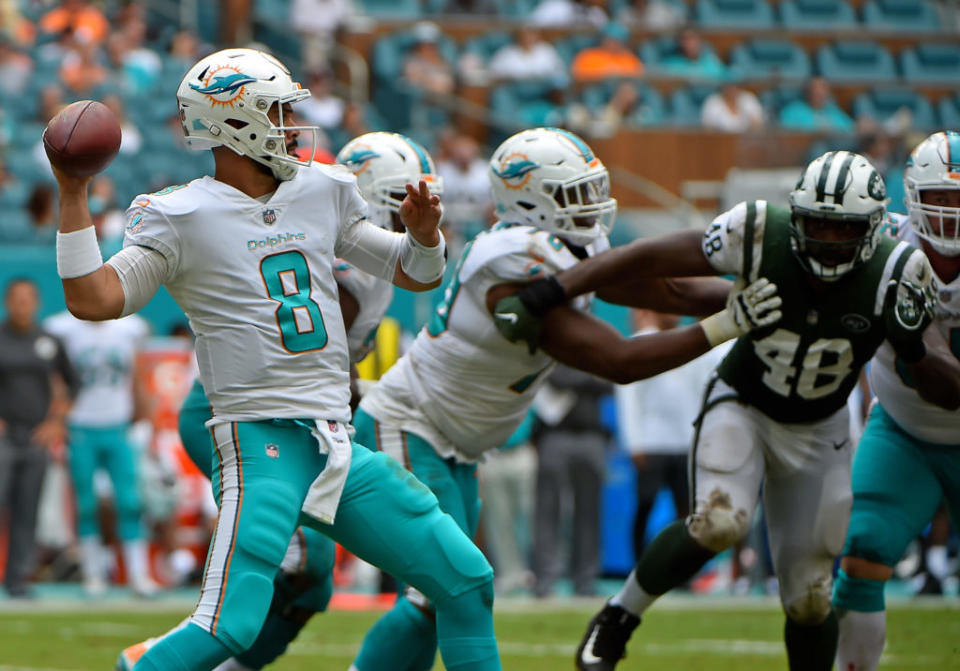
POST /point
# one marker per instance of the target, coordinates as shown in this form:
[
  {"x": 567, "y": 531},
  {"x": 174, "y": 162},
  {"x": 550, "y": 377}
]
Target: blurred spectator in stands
[
  {"x": 323, "y": 108},
  {"x": 317, "y": 22},
  {"x": 235, "y": 28},
  {"x": 816, "y": 111},
  {"x": 42, "y": 208},
  {"x": 656, "y": 418},
  {"x": 470, "y": 7},
  {"x": 354, "y": 123},
  {"x": 84, "y": 19},
  {"x": 529, "y": 57},
  {"x": 184, "y": 51},
  {"x": 570, "y": 14},
  {"x": 610, "y": 58},
  {"x": 507, "y": 481},
  {"x": 886, "y": 153},
  {"x": 467, "y": 204},
  {"x": 732, "y": 109},
  {"x": 82, "y": 70},
  {"x": 36, "y": 384},
  {"x": 13, "y": 191},
  {"x": 571, "y": 464},
  {"x": 49, "y": 102},
  {"x": 131, "y": 140},
  {"x": 16, "y": 68},
  {"x": 691, "y": 60},
  {"x": 652, "y": 15},
  {"x": 425, "y": 68},
  {"x": 15, "y": 26},
  {"x": 626, "y": 105},
  {"x": 108, "y": 220},
  {"x": 137, "y": 67}
]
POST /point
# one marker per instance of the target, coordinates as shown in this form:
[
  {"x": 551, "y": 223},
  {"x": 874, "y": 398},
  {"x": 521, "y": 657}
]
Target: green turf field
[{"x": 532, "y": 638}]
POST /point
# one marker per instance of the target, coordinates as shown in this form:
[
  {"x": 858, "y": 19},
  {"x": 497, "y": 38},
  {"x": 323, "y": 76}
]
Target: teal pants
[
  {"x": 105, "y": 447},
  {"x": 404, "y": 639},
  {"x": 386, "y": 517},
  {"x": 898, "y": 483}
]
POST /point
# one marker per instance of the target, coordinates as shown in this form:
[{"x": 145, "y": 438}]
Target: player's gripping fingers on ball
[{"x": 420, "y": 212}]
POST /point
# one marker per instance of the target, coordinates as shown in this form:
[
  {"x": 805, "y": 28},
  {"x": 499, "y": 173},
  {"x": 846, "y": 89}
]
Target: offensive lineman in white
[
  {"x": 108, "y": 400},
  {"x": 248, "y": 254},
  {"x": 462, "y": 389},
  {"x": 908, "y": 458}
]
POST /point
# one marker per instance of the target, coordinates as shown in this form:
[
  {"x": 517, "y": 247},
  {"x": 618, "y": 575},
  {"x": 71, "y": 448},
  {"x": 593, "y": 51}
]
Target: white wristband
[
  {"x": 421, "y": 263},
  {"x": 78, "y": 253},
  {"x": 719, "y": 328}
]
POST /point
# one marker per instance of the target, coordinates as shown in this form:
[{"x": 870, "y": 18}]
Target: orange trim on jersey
[
  {"x": 236, "y": 526},
  {"x": 953, "y": 175}
]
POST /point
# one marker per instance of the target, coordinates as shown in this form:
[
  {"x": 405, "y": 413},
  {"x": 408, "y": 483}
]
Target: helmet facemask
[
  {"x": 583, "y": 210},
  {"x": 829, "y": 260}
]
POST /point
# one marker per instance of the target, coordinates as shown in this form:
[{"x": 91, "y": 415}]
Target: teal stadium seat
[
  {"x": 15, "y": 226},
  {"x": 856, "y": 61},
  {"x": 738, "y": 14},
  {"x": 931, "y": 63},
  {"x": 568, "y": 47},
  {"x": 525, "y": 103},
  {"x": 515, "y": 9},
  {"x": 881, "y": 104},
  {"x": 817, "y": 15},
  {"x": 949, "y": 109},
  {"x": 901, "y": 16},
  {"x": 685, "y": 104},
  {"x": 777, "y": 97},
  {"x": 391, "y": 9},
  {"x": 486, "y": 45},
  {"x": 763, "y": 58},
  {"x": 651, "y": 110}
]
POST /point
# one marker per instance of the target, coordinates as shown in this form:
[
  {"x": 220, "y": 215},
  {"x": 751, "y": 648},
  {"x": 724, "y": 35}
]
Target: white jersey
[
  {"x": 921, "y": 419},
  {"x": 373, "y": 295},
  {"x": 103, "y": 354},
  {"x": 256, "y": 281},
  {"x": 462, "y": 386}
]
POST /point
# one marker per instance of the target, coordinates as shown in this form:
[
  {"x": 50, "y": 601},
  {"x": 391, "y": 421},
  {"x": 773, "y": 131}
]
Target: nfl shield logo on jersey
[
  {"x": 269, "y": 217},
  {"x": 272, "y": 450}
]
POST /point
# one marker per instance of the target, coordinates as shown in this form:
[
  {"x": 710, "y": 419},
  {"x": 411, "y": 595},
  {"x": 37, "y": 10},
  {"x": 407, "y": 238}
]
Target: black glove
[{"x": 908, "y": 312}]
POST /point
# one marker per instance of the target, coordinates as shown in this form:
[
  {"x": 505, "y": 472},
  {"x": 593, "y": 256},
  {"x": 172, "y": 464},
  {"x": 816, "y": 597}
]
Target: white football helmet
[
  {"x": 935, "y": 164},
  {"x": 384, "y": 163},
  {"x": 551, "y": 179},
  {"x": 224, "y": 100},
  {"x": 843, "y": 187}
]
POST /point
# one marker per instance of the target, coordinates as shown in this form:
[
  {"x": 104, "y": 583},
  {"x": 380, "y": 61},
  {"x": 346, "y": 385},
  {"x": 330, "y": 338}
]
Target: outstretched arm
[{"x": 697, "y": 296}]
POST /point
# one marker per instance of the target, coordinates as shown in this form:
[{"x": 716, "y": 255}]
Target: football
[{"x": 82, "y": 138}]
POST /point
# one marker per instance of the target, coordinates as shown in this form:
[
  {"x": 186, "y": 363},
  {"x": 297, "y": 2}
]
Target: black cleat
[{"x": 607, "y": 634}]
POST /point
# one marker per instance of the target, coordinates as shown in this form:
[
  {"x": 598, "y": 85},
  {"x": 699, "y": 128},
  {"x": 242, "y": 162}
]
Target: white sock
[
  {"x": 937, "y": 564},
  {"x": 861, "y": 640},
  {"x": 91, "y": 560},
  {"x": 232, "y": 665},
  {"x": 632, "y": 597},
  {"x": 135, "y": 557}
]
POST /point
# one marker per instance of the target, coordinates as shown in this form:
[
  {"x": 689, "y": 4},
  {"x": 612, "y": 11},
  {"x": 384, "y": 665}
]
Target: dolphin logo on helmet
[
  {"x": 222, "y": 84},
  {"x": 516, "y": 167}
]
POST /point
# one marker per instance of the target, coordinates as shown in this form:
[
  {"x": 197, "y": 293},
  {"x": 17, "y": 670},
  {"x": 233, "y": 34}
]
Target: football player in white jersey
[
  {"x": 248, "y": 254},
  {"x": 109, "y": 397},
  {"x": 462, "y": 389},
  {"x": 384, "y": 164},
  {"x": 908, "y": 459},
  {"x": 776, "y": 412}
]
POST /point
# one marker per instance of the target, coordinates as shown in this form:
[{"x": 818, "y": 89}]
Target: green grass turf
[{"x": 714, "y": 638}]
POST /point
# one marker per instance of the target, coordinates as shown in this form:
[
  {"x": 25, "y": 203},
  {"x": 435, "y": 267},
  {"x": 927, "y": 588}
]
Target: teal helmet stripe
[
  {"x": 953, "y": 149},
  {"x": 421, "y": 154},
  {"x": 578, "y": 143}
]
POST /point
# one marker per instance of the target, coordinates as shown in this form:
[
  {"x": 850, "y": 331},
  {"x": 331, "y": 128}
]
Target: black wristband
[{"x": 541, "y": 295}]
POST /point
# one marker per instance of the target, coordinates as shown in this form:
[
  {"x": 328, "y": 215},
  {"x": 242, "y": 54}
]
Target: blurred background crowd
[{"x": 692, "y": 104}]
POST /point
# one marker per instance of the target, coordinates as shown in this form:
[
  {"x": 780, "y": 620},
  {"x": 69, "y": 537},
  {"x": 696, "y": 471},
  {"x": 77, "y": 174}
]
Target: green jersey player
[
  {"x": 776, "y": 412},
  {"x": 908, "y": 458},
  {"x": 249, "y": 255}
]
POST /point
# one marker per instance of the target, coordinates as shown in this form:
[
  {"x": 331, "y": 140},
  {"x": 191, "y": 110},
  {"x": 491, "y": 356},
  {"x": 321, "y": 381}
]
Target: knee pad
[
  {"x": 719, "y": 525},
  {"x": 812, "y": 605}
]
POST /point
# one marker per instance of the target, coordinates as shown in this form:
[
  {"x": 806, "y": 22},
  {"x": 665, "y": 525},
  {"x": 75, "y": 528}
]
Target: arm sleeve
[
  {"x": 370, "y": 248},
  {"x": 147, "y": 226},
  {"x": 723, "y": 241},
  {"x": 142, "y": 271}
]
